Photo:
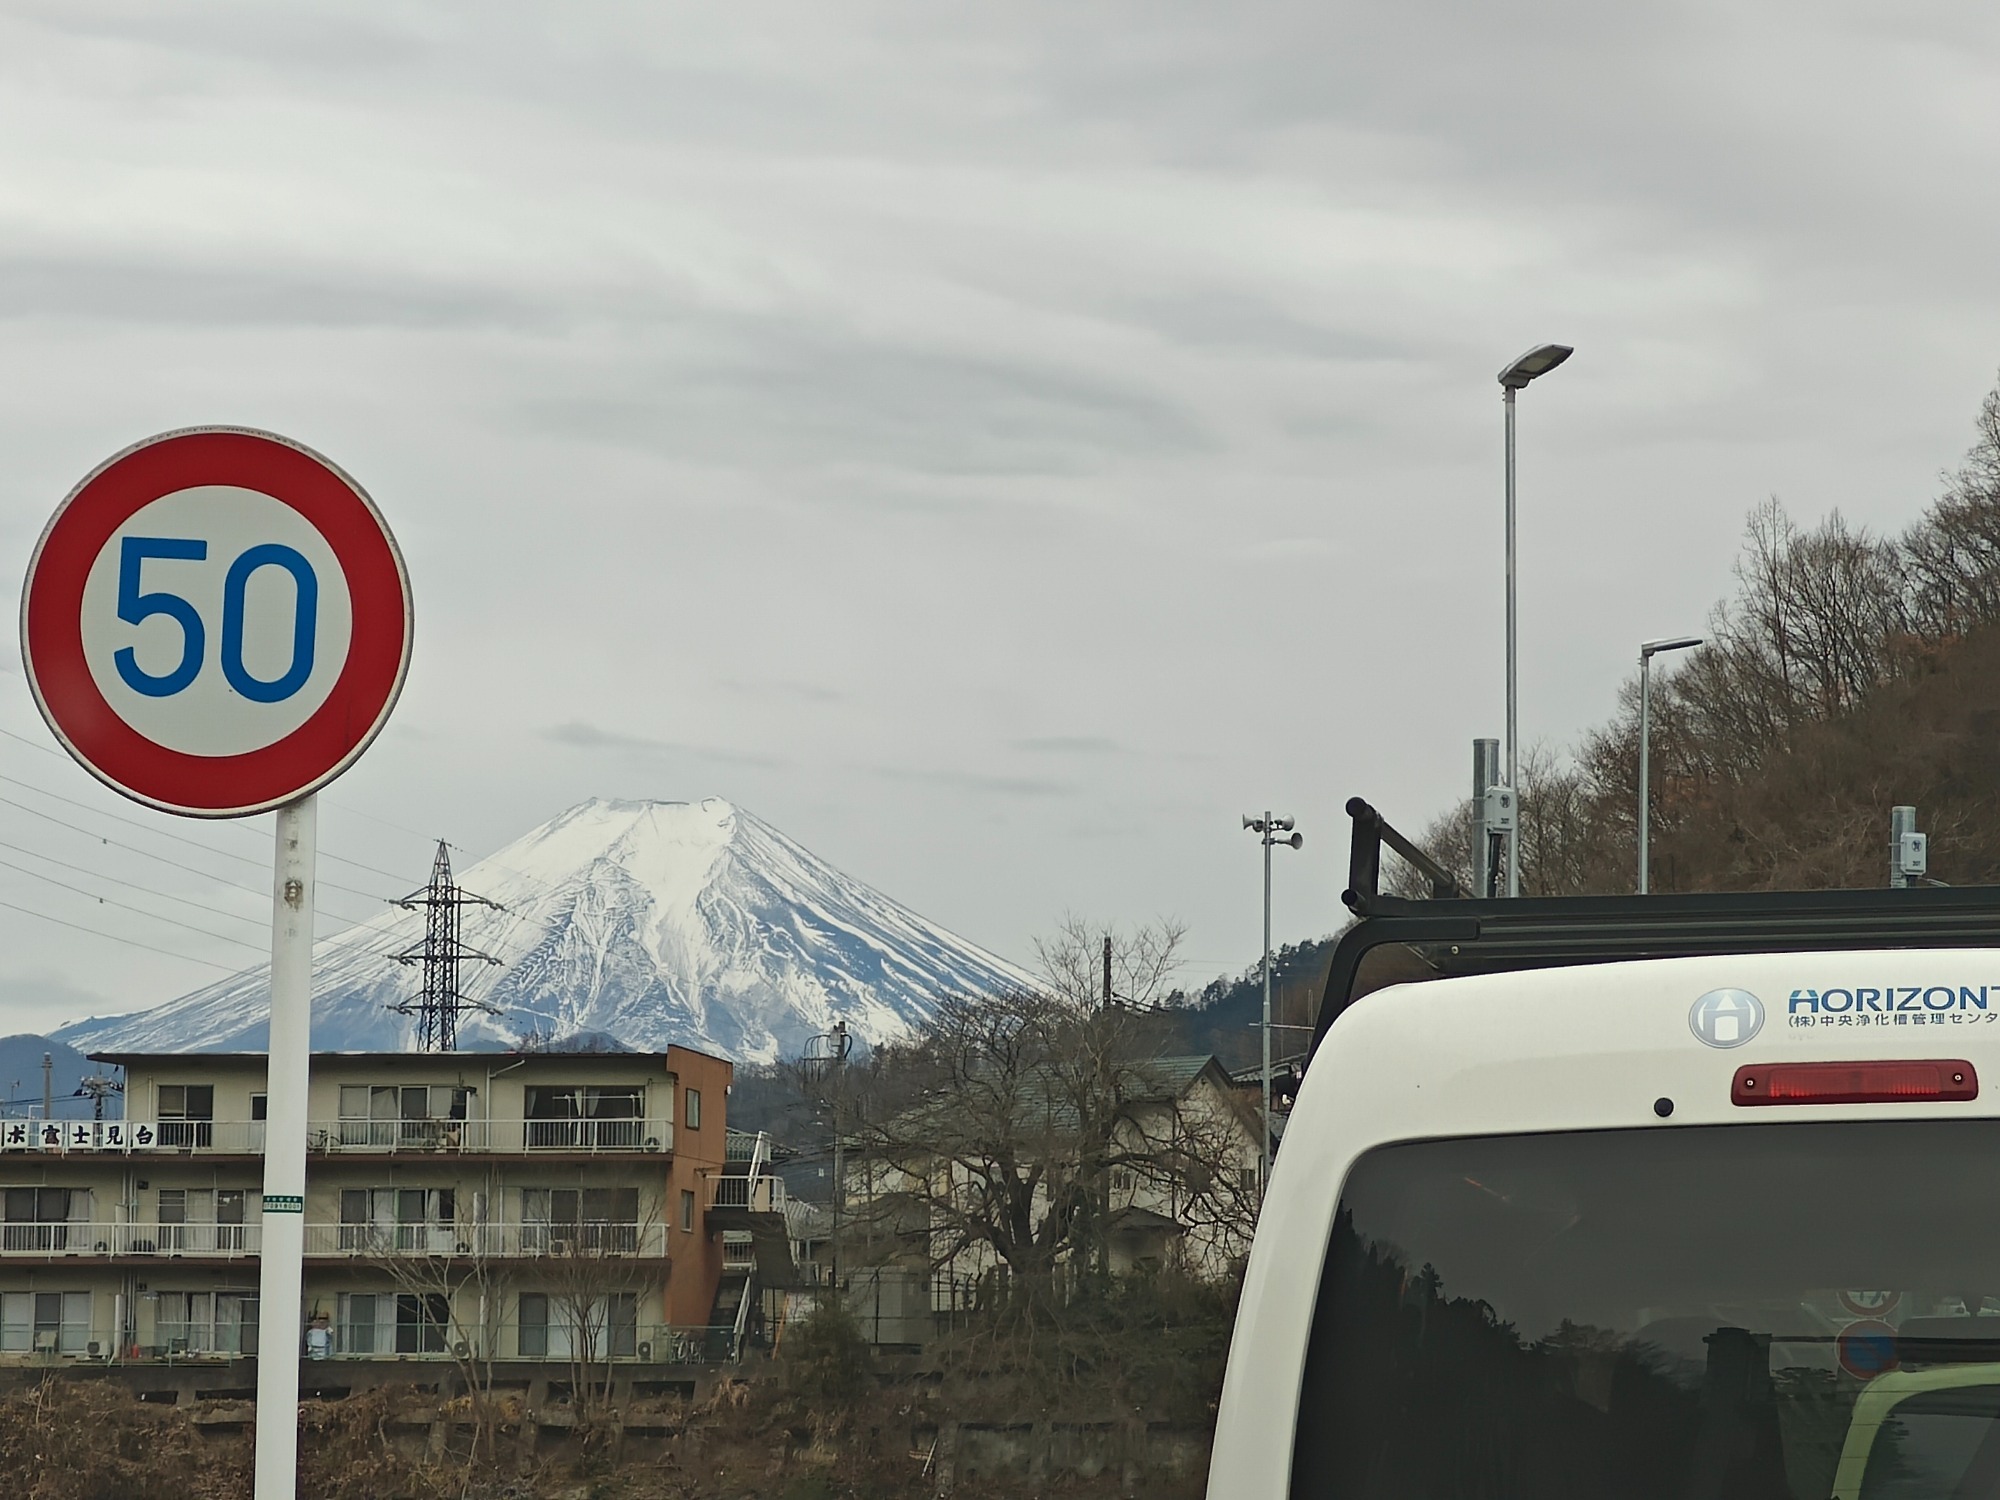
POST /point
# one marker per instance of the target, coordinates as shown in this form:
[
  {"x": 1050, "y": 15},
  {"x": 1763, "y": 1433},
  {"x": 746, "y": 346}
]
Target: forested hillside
[{"x": 1848, "y": 673}]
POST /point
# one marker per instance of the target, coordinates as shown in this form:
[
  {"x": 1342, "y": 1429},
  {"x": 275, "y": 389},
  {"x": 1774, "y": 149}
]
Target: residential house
[{"x": 1181, "y": 1191}]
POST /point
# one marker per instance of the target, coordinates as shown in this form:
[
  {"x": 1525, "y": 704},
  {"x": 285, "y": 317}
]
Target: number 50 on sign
[{"x": 216, "y": 622}]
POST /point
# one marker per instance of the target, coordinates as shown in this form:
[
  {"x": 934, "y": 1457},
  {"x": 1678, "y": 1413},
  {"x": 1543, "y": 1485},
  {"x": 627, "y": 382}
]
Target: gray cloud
[
  {"x": 1070, "y": 744},
  {"x": 804, "y": 692},
  {"x": 786, "y": 394},
  {"x": 977, "y": 782},
  {"x": 132, "y": 290},
  {"x": 578, "y": 735},
  {"x": 982, "y": 369}
]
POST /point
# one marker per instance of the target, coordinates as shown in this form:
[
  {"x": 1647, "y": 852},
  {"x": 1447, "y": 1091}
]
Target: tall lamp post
[
  {"x": 1268, "y": 829},
  {"x": 1647, "y": 651},
  {"x": 1530, "y": 366}
]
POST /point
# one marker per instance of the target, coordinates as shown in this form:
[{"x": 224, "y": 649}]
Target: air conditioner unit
[
  {"x": 460, "y": 1349},
  {"x": 464, "y": 1248},
  {"x": 646, "y": 1350}
]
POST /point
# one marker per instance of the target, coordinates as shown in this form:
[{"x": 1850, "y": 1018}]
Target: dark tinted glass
[
  {"x": 1937, "y": 1443},
  {"x": 1662, "y": 1314}
]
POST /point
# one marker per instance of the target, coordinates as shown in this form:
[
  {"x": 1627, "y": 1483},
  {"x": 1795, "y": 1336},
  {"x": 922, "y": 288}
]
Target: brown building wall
[{"x": 699, "y": 1152}]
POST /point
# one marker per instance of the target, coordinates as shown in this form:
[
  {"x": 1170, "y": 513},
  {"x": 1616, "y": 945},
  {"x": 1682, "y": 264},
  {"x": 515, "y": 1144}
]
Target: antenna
[{"x": 439, "y": 999}]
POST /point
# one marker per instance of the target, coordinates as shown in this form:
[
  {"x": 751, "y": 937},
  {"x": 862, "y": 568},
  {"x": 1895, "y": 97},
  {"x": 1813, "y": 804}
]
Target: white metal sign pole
[{"x": 280, "y": 1273}]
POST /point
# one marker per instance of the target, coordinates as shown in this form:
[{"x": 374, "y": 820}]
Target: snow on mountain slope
[{"x": 650, "y": 922}]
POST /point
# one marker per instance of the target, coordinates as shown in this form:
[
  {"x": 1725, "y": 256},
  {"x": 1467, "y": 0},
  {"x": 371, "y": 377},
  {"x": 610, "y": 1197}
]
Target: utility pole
[
  {"x": 1107, "y": 972},
  {"x": 826, "y": 1061},
  {"x": 1647, "y": 651},
  {"x": 439, "y": 999},
  {"x": 1267, "y": 829},
  {"x": 841, "y": 1042},
  {"x": 99, "y": 1088}
]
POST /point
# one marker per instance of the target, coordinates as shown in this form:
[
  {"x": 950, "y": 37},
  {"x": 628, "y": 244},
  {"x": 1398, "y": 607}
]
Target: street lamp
[
  {"x": 1530, "y": 366},
  {"x": 1268, "y": 829},
  {"x": 1647, "y": 651}
]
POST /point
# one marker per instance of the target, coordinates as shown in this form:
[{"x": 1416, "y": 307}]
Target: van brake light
[{"x": 1854, "y": 1082}]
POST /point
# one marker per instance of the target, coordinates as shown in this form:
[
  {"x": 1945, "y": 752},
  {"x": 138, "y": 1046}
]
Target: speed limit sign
[{"x": 216, "y": 622}]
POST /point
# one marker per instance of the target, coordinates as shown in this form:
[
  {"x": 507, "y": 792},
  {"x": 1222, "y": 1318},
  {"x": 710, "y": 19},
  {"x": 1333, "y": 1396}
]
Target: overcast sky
[{"x": 999, "y": 445}]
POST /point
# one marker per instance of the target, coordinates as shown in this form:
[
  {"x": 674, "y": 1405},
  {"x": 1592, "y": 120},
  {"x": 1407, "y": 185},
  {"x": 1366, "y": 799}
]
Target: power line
[
  {"x": 113, "y": 937},
  {"x": 249, "y": 828},
  {"x": 164, "y": 859},
  {"x": 127, "y": 906},
  {"x": 179, "y": 838},
  {"x": 133, "y": 884},
  {"x": 165, "y": 833},
  {"x": 352, "y": 810}
]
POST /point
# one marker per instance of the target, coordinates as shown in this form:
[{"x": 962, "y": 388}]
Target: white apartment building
[{"x": 547, "y": 1174}]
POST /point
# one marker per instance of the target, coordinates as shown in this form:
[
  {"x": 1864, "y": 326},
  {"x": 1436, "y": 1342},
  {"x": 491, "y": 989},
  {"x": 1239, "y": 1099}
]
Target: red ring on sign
[{"x": 310, "y": 756}]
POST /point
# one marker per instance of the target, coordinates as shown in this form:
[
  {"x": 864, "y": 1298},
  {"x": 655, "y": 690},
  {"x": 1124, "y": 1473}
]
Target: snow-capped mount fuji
[{"x": 648, "y": 922}]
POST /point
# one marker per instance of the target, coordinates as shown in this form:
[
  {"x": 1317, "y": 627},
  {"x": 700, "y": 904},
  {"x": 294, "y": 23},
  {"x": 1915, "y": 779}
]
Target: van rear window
[{"x": 1746, "y": 1312}]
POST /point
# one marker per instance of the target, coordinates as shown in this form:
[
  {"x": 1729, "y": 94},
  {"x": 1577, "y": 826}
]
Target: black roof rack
[{"x": 1454, "y": 934}]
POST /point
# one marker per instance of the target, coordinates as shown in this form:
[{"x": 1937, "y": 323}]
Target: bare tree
[
  {"x": 469, "y": 1284},
  {"x": 991, "y": 1136},
  {"x": 595, "y": 1276}
]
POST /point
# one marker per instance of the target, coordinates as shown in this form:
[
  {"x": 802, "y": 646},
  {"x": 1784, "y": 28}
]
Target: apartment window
[
  {"x": 687, "y": 1210},
  {"x": 206, "y": 1322},
  {"x": 621, "y": 1323},
  {"x": 563, "y": 1221},
  {"x": 355, "y": 1326},
  {"x": 411, "y": 1220},
  {"x": 51, "y": 1322},
  {"x": 416, "y": 1116},
  {"x": 692, "y": 1107},
  {"x": 229, "y": 1212},
  {"x": 39, "y": 1218},
  {"x": 1123, "y": 1180},
  {"x": 187, "y": 1114},
  {"x": 422, "y": 1322},
  {"x": 187, "y": 1219},
  {"x": 260, "y": 1107},
  {"x": 590, "y": 1118},
  {"x": 532, "y": 1333},
  {"x": 547, "y": 1327}
]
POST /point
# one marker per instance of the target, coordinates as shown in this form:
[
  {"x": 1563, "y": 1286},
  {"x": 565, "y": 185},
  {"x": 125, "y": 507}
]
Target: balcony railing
[
  {"x": 50, "y": 1241},
  {"x": 246, "y": 1137},
  {"x": 566, "y": 1240},
  {"x": 587, "y": 1239},
  {"x": 505, "y": 1136},
  {"x": 762, "y": 1194},
  {"x": 174, "y": 1342}
]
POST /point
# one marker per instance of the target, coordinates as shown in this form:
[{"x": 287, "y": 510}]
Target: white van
[{"x": 1723, "y": 1226}]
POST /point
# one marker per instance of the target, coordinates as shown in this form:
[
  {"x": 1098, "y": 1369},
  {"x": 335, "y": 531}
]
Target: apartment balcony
[
  {"x": 546, "y": 1138},
  {"x": 762, "y": 1194},
  {"x": 621, "y": 1137},
  {"x": 334, "y": 1242},
  {"x": 572, "y": 1240}
]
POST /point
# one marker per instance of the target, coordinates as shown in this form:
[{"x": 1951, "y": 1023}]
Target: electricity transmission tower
[{"x": 438, "y": 1001}]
